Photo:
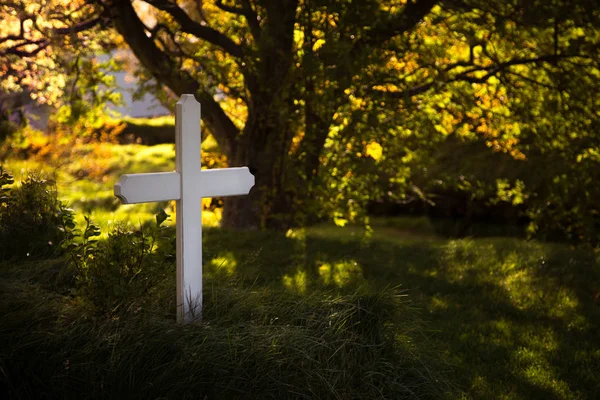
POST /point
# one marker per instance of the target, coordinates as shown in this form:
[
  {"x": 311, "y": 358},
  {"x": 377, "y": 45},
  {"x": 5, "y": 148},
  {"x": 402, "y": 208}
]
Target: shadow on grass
[
  {"x": 514, "y": 319},
  {"x": 59, "y": 339},
  {"x": 519, "y": 320}
]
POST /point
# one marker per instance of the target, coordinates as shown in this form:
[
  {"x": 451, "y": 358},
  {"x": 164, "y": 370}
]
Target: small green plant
[
  {"x": 33, "y": 222},
  {"x": 82, "y": 247},
  {"x": 119, "y": 273}
]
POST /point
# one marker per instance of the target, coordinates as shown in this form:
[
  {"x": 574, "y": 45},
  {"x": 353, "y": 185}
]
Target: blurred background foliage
[{"x": 468, "y": 112}]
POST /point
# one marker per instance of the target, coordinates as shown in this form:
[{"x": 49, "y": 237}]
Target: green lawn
[
  {"x": 513, "y": 319},
  {"x": 509, "y": 318},
  {"x": 86, "y": 183}
]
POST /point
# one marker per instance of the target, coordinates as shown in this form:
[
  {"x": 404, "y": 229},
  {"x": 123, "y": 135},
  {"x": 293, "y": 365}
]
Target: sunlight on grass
[
  {"x": 438, "y": 303},
  {"x": 392, "y": 229},
  {"x": 163, "y": 121},
  {"x": 296, "y": 282},
  {"x": 538, "y": 371},
  {"x": 133, "y": 215},
  {"x": 93, "y": 195},
  {"x": 517, "y": 319},
  {"x": 159, "y": 158},
  {"x": 341, "y": 273},
  {"x": 223, "y": 263},
  {"x": 21, "y": 168},
  {"x": 296, "y": 233}
]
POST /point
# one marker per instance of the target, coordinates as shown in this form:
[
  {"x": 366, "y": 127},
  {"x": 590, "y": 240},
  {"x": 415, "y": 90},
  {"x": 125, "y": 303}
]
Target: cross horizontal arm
[
  {"x": 223, "y": 182},
  {"x": 143, "y": 188}
]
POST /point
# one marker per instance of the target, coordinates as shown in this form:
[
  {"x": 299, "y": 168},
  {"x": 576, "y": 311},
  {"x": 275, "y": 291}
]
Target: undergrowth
[
  {"x": 33, "y": 221},
  {"x": 96, "y": 320},
  {"x": 252, "y": 343}
]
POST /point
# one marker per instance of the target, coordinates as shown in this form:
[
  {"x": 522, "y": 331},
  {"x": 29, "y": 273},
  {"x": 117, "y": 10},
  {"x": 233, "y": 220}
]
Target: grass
[
  {"x": 86, "y": 182},
  {"x": 164, "y": 121},
  {"x": 253, "y": 342},
  {"x": 516, "y": 319},
  {"x": 511, "y": 319}
]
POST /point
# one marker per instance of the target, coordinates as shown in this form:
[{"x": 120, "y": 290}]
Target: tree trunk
[
  {"x": 263, "y": 147},
  {"x": 264, "y": 143},
  {"x": 267, "y": 204}
]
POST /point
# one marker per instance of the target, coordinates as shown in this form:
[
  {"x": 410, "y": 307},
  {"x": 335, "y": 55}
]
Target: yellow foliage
[
  {"x": 341, "y": 222},
  {"x": 296, "y": 140},
  {"x": 212, "y": 218},
  {"x": 298, "y": 36},
  {"x": 64, "y": 142},
  {"x": 357, "y": 103},
  {"x": 388, "y": 87},
  {"x": 318, "y": 44},
  {"x": 374, "y": 150}
]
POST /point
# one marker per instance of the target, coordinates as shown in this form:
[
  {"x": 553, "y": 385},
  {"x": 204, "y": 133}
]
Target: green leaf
[{"x": 161, "y": 217}]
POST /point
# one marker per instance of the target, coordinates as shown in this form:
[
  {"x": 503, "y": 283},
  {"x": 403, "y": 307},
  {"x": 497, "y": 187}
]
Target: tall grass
[{"x": 252, "y": 343}]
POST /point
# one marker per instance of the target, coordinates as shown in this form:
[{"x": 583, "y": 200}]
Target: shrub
[
  {"x": 33, "y": 222},
  {"x": 122, "y": 272}
]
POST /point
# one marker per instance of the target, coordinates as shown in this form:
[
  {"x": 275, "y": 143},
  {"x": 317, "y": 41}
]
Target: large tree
[{"x": 283, "y": 83}]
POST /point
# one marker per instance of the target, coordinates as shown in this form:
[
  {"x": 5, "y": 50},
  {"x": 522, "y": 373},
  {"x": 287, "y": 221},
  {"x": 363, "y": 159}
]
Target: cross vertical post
[{"x": 188, "y": 209}]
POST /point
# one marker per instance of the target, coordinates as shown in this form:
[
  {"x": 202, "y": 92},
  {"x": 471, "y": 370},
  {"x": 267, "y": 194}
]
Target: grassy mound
[{"x": 252, "y": 343}]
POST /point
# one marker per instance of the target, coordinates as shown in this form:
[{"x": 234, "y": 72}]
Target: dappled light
[
  {"x": 528, "y": 306},
  {"x": 505, "y": 310},
  {"x": 296, "y": 281},
  {"x": 342, "y": 273},
  {"x": 224, "y": 263}
]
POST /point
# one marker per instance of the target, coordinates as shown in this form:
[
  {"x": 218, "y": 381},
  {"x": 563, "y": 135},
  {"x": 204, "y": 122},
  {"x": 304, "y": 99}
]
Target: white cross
[{"x": 188, "y": 184}]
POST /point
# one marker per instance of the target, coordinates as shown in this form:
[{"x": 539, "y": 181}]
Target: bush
[
  {"x": 122, "y": 272},
  {"x": 33, "y": 222}
]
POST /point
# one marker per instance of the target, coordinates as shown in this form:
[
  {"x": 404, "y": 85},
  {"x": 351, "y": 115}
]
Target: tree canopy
[
  {"x": 49, "y": 53},
  {"x": 326, "y": 99}
]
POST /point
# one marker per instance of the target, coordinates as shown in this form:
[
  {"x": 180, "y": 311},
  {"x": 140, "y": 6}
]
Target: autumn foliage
[{"x": 334, "y": 105}]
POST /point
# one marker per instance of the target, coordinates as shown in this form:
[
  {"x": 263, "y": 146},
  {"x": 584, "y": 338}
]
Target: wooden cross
[{"x": 187, "y": 185}]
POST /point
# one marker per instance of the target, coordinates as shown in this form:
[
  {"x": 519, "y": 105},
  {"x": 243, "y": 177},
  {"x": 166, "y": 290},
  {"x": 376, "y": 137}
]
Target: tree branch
[
  {"x": 467, "y": 76},
  {"x": 165, "y": 70},
  {"x": 188, "y": 25},
  {"x": 531, "y": 80},
  {"x": 41, "y": 43},
  {"x": 245, "y": 11},
  {"x": 14, "y": 50},
  {"x": 79, "y": 27},
  {"x": 404, "y": 21}
]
